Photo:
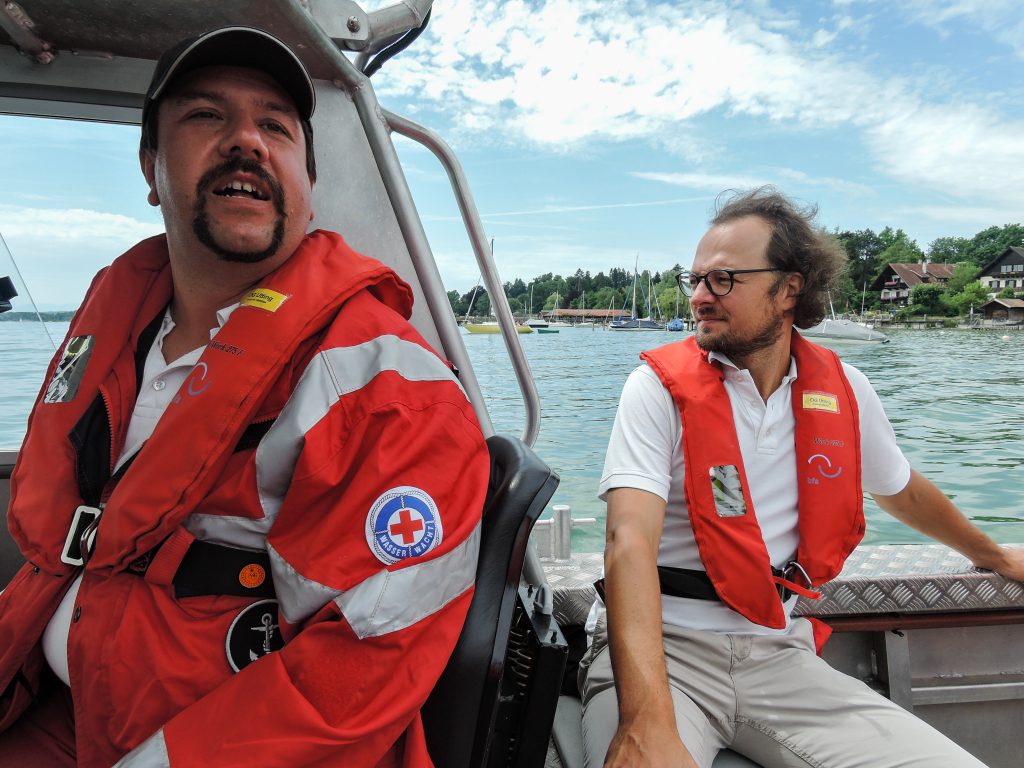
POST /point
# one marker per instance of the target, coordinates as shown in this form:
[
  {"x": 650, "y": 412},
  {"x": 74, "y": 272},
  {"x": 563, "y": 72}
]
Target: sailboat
[
  {"x": 583, "y": 323},
  {"x": 842, "y": 330},
  {"x": 634, "y": 323},
  {"x": 534, "y": 322},
  {"x": 676, "y": 323},
  {"x": 490, "y": 326},
  {"x": 557, "y": 323}
]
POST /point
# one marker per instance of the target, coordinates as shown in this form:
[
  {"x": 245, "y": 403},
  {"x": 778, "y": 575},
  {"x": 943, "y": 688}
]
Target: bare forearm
[
  {"x": 634, "y": 630},
  {"x": 925, "y": 508},
  {"x": 647, "y": 733}
]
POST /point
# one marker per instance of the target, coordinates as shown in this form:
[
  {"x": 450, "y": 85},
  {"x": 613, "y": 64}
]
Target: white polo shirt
[
  {"x": 160, "y": 382},
  {"x": 645, "y": 452}
]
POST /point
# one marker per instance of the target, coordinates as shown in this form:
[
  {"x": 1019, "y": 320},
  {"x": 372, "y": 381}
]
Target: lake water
[{"x": 955, "y": 399}]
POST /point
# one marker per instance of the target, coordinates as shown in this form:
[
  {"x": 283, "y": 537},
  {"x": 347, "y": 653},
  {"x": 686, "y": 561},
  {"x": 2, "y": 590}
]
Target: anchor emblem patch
[{"x": 255, "y": 632}]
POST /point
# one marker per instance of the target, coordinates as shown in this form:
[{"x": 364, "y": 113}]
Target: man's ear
[
  {"x": 792, "y": 285},
  {"x": 147, "y": 161}
]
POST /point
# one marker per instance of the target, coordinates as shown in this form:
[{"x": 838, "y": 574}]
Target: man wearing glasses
[{"x": 698, "y": 650}]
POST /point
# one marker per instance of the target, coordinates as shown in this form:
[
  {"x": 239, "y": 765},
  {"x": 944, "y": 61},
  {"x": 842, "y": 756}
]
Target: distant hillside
[{"x": 55, "y": 317}]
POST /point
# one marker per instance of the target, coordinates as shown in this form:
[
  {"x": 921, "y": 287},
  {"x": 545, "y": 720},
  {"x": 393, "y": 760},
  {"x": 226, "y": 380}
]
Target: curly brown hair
[{"x": 796, "y": 245}]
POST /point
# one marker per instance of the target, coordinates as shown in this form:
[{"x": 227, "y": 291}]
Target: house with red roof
[{"x": 896, "y": 280}]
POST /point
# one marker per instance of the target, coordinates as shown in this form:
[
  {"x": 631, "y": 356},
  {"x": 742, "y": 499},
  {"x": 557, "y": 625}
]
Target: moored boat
[
  {"x": 494, "y": 328},
  {"x": 842, "y": 330}
]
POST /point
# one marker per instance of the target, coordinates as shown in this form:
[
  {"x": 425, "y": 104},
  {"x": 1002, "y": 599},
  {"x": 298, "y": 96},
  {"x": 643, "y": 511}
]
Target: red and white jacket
[
  {"x": 827, "y": 447},
  {"x": 366, "y": 492}
]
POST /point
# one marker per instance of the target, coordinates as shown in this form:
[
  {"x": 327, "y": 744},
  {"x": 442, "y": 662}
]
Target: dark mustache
[{"x": 243, "y": 165}]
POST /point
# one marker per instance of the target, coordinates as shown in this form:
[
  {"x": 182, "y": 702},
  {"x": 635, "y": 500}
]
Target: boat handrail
[{"x": 478, "y": 239}]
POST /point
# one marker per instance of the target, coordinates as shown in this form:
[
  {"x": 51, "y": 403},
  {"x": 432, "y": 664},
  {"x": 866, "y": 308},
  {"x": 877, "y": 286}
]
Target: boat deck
[
  {"x": 919, "y": 623},
  {"x": 877, "y": 579}
]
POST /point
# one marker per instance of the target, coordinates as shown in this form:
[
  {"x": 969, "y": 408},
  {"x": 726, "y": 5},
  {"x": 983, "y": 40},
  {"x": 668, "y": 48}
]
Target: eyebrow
[{"x": 184, "y": 97}]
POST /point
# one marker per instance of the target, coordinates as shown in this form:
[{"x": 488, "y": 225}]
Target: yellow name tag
[
  {"x": 821, "y": 401},
  {"x": 264, "y": 298}
]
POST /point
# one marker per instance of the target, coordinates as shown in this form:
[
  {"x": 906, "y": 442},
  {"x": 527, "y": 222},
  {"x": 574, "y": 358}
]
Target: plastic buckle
[{"x": 81, "y": 536}]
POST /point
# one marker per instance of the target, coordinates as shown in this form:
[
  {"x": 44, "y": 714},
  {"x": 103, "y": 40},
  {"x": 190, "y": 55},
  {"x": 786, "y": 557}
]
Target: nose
[
  {"x": 702, "y": 295},
  {"x": 243, "y": 137}
]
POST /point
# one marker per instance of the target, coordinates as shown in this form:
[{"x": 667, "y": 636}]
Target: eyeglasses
[{"x": 718, "y": 281}]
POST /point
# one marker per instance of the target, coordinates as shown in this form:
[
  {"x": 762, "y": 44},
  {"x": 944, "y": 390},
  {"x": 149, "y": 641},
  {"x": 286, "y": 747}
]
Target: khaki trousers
[{"x": 772, "y": 699}]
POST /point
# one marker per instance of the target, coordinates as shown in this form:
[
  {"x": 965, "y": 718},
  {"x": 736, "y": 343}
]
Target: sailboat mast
[{"x": 636, "y": 276}]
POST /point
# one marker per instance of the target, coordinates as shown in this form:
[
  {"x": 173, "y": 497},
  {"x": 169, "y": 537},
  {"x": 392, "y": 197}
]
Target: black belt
[
  {"x": 695, "y": 584},
  {"x": 686, "y": 582},
  {"x": 216, "y": 569}
]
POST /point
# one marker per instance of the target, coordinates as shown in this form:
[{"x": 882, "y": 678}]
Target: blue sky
[{"x": 594, "y": 131}]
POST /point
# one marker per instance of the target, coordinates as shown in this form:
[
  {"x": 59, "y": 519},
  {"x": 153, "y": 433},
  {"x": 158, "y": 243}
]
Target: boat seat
[
  {"x": 568, "y": 738},
  {"x": 10, "y": 556},
  {"x": 460, "y": 715}
]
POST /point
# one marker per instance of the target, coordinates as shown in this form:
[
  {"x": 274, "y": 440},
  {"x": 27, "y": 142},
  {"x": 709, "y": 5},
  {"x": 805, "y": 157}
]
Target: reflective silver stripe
[
  {"x": 392, "y": 600},
  {"x": 242, "y": 532},
  {"x": 329, "y": 376},
  {"x": 386, "y": 601},
  {"x": 152, "y": 753},
  {"x": 298, "y": 597}
]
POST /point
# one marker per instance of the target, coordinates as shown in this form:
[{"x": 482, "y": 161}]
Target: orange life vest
[
  {"x": 148, "y": 667},
  {"x": 827, "y": 445}
]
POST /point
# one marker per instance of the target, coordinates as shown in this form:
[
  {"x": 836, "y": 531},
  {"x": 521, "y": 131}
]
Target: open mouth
[{"x": 241, "y": 189}]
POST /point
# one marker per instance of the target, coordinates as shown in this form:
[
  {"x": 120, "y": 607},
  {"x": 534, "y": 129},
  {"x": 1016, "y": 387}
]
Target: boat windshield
[{"x": 80, "y": 202}]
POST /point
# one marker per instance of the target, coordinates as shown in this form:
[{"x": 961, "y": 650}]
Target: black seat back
[
  {"x": 460, "y": 713},
  {"x": 10, "y": 556}
]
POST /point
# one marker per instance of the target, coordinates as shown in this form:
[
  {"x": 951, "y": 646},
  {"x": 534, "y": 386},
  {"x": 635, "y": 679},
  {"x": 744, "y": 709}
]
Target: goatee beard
[
  {"x": 201, "y": 222},
  {"x": 735, "y": 348}
]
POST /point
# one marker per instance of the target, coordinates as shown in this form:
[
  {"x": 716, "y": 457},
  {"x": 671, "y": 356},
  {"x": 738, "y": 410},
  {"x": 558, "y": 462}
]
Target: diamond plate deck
[
  {"x": 912, "y": 578},
  {"x": 886, "y": 578}
]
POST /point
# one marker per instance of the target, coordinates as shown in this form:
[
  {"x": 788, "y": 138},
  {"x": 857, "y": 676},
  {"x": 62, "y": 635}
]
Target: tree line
[{"x": 868, "y": 254}]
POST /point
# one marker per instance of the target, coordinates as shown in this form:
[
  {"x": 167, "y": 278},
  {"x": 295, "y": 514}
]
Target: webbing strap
[{"x": 216, "y": 569}]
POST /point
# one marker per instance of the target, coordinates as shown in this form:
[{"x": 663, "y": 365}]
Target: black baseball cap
[{"x": 234, "y": 47}]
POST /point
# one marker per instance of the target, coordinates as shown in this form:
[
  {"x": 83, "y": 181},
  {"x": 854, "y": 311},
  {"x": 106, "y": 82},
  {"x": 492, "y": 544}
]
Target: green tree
[
  {"x": 668, "y": 296},
  {"x": 605, "y": 298},
  {"x": 899, "y": 249},
  {"x": 862, "y": 250},
  {"x": 971, "y": 295},
  {"x": 1006, "y": 293},
  {"x": 477, "y": 305},
  {"x": 948, "y": 250},
  {"x": 991, "y": 242},
  {"x": 964, "y": 273},
  {"x": 928, "y": 297},
  {"x": 482, "y": 305},
  {"x": 458, "y": 305}
]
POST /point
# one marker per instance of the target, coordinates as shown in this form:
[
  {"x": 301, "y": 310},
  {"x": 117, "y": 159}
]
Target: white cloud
[
  {"x": 830, "y": 182},
  {"x": 963, "y": 153},
  {"x": 718, "y": 182},
  {"x": 73, "y": 224},
  {"x": 57, "y": 251},
  {"x": 562, "y": 74},
  {"x": 1002, "y": 19},
  {"x": 581, "y": 208},
  {"x": 706, "y": 181},
  {"x": 978, "y": 217},
  {"x": 823, "y": 37}
]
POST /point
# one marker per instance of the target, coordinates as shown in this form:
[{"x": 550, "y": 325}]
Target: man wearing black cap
[{"x": 250, "y": 492}]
